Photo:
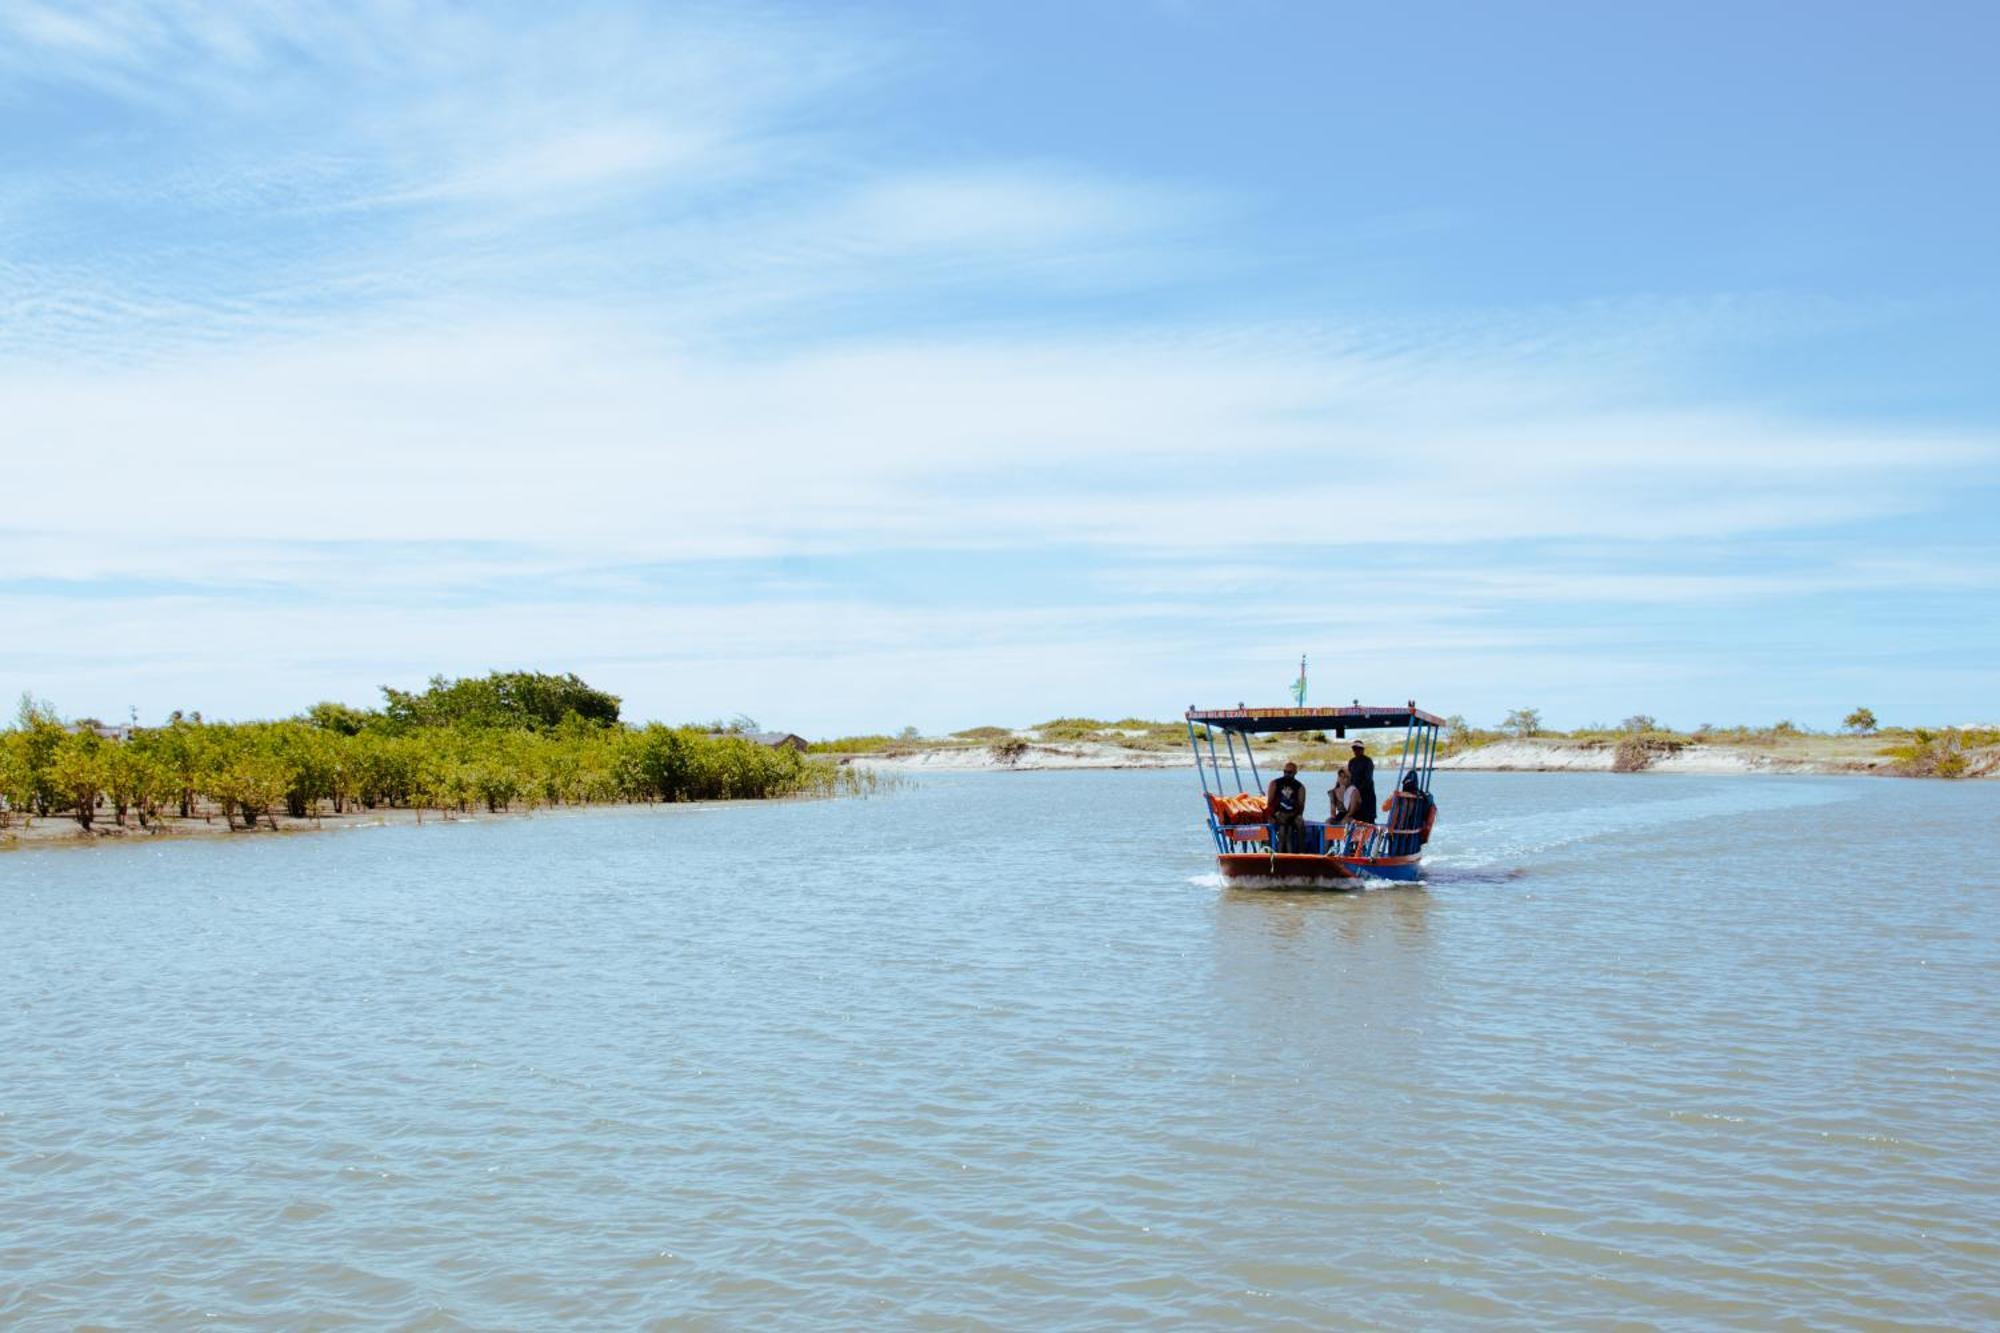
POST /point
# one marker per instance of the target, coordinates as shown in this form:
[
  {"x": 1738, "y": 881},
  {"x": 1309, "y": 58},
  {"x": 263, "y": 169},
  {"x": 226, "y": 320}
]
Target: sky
[{"x": 858, "y": 366}]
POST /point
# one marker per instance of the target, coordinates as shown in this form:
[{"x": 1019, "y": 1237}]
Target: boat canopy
[{"x": 1338, "y": 720}]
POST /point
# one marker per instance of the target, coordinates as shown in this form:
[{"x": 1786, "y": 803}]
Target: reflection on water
[
  {"x": 997, "y": 1050},
  {"x": 1391, "y": 915}
]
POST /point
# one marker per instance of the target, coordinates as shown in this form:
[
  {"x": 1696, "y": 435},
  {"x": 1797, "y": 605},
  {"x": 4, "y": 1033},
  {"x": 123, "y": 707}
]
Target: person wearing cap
[
  {"x": 1285, "y": 800},
  {"x": 1362, "y": 769}
]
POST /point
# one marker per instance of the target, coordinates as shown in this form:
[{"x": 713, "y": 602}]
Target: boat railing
[
  {"x": 1396, "y": 835},
  {"x": 1322, "y": 838}
]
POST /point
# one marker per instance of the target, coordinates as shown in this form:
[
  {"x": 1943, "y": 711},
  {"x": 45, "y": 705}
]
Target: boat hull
[{"x": 1333, "y": 870}]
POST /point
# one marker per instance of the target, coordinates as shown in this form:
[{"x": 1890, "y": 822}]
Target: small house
[
  {"x": 770, "y": 740},
  {"x": 101, "y": 730}
]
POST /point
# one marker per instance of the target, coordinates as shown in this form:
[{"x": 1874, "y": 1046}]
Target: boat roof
[{"x": 1357, "y": 718}]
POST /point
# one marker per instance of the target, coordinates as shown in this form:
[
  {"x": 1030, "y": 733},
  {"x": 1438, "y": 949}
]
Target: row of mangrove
[{"x": 495, "y": 743}]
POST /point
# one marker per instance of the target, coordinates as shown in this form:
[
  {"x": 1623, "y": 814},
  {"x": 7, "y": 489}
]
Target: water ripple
[{"x": 999, "y": 1049}]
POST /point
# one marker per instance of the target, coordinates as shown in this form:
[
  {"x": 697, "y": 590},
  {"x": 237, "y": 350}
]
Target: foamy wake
[
  {"x": 1359, "y": 884},
  {"x": 1484, "y": 843}
]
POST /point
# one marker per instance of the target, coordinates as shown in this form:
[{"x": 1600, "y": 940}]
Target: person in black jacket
[
  {"x": 1362, "y": 769},
  {"x": 1285, "y": 799},
  {"x": 1412, "y": 806}
]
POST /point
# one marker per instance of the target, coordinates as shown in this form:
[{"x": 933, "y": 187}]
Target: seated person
[
  {"x": 1286, "y": 800},
  {"x": 1410, "y": 807},
  {"x": 1345, "y": 798},
  {"x": 1414, "y": 803}
]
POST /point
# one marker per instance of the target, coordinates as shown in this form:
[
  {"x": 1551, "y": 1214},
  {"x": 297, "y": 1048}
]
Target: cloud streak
[{"x": 597, "y": 434}]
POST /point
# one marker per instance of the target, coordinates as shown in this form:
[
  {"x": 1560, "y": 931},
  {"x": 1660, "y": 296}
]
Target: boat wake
[
  {"x": 1439, "y": 875},
  {"x": 1300, "y": 884},
  {"x": 1482, "y": 849}
]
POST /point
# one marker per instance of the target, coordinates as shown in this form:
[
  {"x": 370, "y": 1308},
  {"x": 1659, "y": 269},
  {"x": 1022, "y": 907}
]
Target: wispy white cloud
[
  {"x": 593, "y": 432},
  {"x": 1452, "y": 583},
  {"x": 267, "y": 162},
  {"x": 1006, "y": 210}
]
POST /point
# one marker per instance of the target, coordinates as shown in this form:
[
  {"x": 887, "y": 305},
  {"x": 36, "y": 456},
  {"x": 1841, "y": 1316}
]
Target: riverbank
[
  {"x": 1025, "y": 758},
  {"x": 1853, "y": 755},
  {"x": 62, "y": 831},
  {"x": 1797, "y": 754}
]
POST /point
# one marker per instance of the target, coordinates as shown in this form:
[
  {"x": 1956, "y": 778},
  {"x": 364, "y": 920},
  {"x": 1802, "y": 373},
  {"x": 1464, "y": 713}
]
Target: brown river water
[{"x": 998, "y": 1049}]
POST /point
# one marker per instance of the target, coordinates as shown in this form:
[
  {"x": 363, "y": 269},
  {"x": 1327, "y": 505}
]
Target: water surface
[{"x": 1000, "y": 1049}]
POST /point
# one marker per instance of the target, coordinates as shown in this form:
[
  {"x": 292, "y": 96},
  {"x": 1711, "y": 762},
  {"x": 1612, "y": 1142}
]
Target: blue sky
[{"x": 856, "y": 366}]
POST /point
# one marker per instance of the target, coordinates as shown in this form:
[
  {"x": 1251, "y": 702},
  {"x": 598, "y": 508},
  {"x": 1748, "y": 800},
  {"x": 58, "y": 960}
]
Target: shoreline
[
  {"x": 1813, "y": 756},
  {"x": 1821, "y": 756},
  {"x": 64, "y": 831}
]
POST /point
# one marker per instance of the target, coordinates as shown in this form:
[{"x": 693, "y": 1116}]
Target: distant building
[
  {"x": 771, "y": 740},
  {"x": 102, "y": 731}
]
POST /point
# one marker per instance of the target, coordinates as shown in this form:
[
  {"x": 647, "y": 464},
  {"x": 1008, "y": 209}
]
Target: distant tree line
[
  {"x": 503, "y": 741},
  {"x": 1946, "y": 752}
]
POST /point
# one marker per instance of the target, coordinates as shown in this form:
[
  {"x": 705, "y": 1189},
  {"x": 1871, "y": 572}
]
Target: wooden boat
[{"x": 1329, "y": 853}]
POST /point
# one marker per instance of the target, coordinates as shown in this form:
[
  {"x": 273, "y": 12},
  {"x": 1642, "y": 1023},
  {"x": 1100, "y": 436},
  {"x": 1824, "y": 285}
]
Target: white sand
[
  {"x": 1511, "y": 756},
  {"x": 981, "y": 759},
  {"x": 1553, "y": 756},
  {"x": 1503, "y": 757}
]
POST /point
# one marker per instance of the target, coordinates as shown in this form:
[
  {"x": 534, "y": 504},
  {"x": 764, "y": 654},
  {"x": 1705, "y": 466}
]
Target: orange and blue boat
[{"x": 1387, "y": 843}]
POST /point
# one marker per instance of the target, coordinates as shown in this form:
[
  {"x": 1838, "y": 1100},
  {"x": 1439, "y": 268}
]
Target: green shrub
[
  {"x": 76, "y": 774},
  {"x": 1940, "y": 754},
  {"x": 1009, "y": 751},
  {"x": 853, "y": 745},
  {"x": 515, "y": 699},
  {"x": 1071, "y": 729},
  {"x": 1632, "y": 756}
]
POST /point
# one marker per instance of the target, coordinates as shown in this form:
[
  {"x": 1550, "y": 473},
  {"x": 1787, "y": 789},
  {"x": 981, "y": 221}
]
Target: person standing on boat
[
  {"x": 1285, "y": 800},
  {"x": 1362, "y": 769}
]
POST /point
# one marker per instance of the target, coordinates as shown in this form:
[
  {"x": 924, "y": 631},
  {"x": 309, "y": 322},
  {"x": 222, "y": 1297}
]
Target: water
[{"x": 1000, "y": 1049}]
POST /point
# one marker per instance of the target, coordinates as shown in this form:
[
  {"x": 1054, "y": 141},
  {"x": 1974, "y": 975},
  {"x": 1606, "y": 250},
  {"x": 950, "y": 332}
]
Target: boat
[{"x": 1329, "y": 853}]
